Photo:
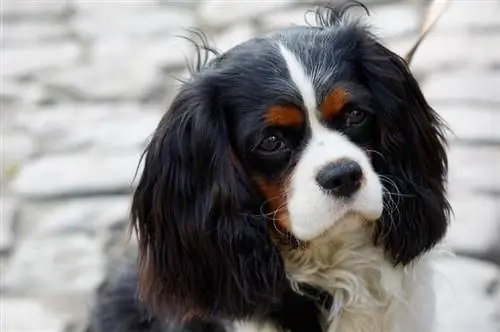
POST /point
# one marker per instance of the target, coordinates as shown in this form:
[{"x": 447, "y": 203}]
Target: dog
[{"x": 296, "y": 183}]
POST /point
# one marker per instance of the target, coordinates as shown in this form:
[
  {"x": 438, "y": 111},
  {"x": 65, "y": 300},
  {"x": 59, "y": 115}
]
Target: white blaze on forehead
[
  {"x": 311, "y": 210},
  {"x": 302, "y": 81},
  {"x": 304, "y": 84}
]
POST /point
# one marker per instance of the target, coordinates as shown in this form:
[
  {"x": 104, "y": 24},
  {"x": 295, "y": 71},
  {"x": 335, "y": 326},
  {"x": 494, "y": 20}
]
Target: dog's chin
[{"x": 350, "y": 222}]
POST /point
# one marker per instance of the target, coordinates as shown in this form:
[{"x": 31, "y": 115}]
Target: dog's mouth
[
  {"x": 350, "y": 222},
  {"x": 340, "y": 219}
]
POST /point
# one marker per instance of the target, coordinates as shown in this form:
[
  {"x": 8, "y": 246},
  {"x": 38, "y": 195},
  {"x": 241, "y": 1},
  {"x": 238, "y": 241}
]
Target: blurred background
[{"x": 85, "y": 82}]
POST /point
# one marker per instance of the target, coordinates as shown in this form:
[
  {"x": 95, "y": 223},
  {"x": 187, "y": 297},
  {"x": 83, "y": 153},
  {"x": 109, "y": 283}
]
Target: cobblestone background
[{"x": 84, "y": 83}]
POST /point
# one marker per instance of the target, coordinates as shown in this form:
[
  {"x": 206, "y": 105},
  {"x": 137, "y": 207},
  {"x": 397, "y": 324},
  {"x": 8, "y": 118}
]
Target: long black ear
[
  {"x": 413, "y": 161},
  {"x": 204, "y": 244}
]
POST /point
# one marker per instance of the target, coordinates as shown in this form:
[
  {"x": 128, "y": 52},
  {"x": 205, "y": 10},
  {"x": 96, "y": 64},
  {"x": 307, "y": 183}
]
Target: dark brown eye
[
  {"x": 355, "y": 117},
  {"x": 271, "y": 144}
]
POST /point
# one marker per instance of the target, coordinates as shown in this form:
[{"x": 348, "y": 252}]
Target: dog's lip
[
  {"x": 351, "y": 215},
  {"x": 350, "y": 220}
]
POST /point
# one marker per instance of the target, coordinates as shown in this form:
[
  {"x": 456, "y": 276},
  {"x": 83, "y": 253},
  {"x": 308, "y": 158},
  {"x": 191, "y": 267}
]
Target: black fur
[
  {"x": 197, "y": 217},
  {"x": 205, "y": 248},
  {"x": 117, "y": 309},
  {"x": 411, "y": 159}
]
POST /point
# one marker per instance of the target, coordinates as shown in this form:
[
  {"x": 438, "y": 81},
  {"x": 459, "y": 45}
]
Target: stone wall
[{"x": 85, "y": 82}]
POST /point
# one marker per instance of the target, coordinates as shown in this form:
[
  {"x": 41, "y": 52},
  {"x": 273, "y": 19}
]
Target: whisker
[
  {"x": 391, "y": 205},
  {"x": 377, "y": 153}
]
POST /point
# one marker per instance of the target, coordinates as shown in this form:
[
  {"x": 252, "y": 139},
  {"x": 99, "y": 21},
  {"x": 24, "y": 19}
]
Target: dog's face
[
  {"x": 295, "y": 132},
  {"x": 308, "y": 132}
]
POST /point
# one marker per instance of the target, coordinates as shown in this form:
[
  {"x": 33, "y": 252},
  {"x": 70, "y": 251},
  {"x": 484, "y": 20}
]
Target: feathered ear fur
[
  {"x": 204, "y": 245},
  {"x": 413, "y": 161}
]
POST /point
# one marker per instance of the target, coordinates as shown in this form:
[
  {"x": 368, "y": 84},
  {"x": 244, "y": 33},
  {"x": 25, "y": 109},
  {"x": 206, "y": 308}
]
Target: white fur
[
  {"x": 300, "y": 78},
  {"x": 311, "y": 210}
]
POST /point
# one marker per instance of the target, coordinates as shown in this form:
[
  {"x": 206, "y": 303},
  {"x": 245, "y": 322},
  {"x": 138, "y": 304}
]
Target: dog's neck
[{"x": 366, "y": 288}]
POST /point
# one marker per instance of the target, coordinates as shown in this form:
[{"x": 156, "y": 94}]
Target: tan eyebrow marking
[
  {"x": 276, "y": 198},
  {"x": 284, "y": 116},
  {"x": 334, "y": 102}
]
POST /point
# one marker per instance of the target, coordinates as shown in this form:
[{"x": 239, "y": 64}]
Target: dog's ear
[
  {"x": 205, "y": 250},
  {"x": 413, "y": 161}
]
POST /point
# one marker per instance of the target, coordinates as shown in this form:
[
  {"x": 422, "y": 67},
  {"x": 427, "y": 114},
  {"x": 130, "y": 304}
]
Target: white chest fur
[{"x": 370, "y": 295}]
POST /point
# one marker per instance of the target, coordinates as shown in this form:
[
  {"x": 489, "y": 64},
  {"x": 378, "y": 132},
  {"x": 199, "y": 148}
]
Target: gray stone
[
  {"x": 69, "y": 127},
  {"x": 475, "y": 225},
  {"x": 169, "y": 53},
  {"x": 445, "y": 51},
  {"x": 16, "y": 148},
  {"x": 393, "y": 21},
  {"x": 23, "y": 61},
  {"x": 185, "y": 4},
  {"x": 10, "y": 94},
  {"x": 223, "y": 13},
  {"x": 107, "y": 80},
  {"x": 284, "y": 19},
  {"x": 467, "y": 15},
  {"x": 20, "y": 94},
  {"x": 134, "y": 20},
  {"x": 93, "y": 216},
  {"x": 234, "y": 36},
  {"x": 24, "y": 33},
  {"x": 8, "y": 210},
  {"x": 77, "y": 174},
  {"x": 55, "y": 265},
  {"x": 39, "y": 122},
  {"x": 475, "y": 168},
  {"x": 15, "y": 10},
  {"x": 29, "y": 314},
  {"x": 105, "y": 219},
  {"x": 467, "y": 291},
  {"x": 127, "y": 131},
  {"x": 471, "y": 124},
  {"x": 464, "y": 88}
]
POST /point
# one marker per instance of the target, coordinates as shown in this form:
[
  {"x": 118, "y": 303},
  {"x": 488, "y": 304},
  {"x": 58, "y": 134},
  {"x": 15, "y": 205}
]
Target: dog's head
[{"x": 287, "y": 134}]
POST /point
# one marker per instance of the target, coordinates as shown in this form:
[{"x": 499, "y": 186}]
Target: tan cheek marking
[
  {"x": 284, "y": 116},
  {"x": 274, "y": 194},
  {"x": 334, "y": 103}
]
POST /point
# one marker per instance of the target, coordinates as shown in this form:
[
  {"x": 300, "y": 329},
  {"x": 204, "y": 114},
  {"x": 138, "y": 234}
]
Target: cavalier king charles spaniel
[{"x": 297, "y": 183}]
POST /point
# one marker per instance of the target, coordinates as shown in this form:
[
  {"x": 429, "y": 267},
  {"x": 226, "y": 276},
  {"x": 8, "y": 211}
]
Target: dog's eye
[
  {"x": 271, "y": 144},
  {"x": 355, "y": 117}
]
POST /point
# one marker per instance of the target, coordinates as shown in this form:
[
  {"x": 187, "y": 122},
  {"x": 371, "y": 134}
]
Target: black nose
[{"x": 341, "y": 178}]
